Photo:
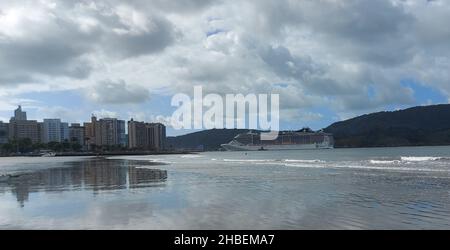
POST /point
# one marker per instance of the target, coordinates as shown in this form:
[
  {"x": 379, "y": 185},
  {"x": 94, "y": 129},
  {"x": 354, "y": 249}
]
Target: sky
[{"x": 328, "y": 60}]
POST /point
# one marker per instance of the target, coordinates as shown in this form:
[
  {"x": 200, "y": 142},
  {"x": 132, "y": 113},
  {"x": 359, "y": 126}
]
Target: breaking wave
[
  {"x": 273, "y": 161},
  {"x": 160, "y": 161},
  {"x": 191, "y": 156},
  {"x": 407, "y": 159},
  {"x": 305, "y": 161},
  {"x": 384, "y": 161},
  {"x": 406, "y": 169},
  {"x": 248, "y": 160},
  {"x": 420, "y": 158}
]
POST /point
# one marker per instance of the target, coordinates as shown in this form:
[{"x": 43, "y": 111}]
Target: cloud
[
  {"x": 36, "y": 42},
  {"x": 183, "y": 6},
  {"x": 370, "y": 31},
  {"x": 117, "y": 92},
  {"x": 63, "y": 113},
  {"x": 284, "y": 64},
  {"x": 131, "y": 32},
  {"x": 348, "y": 56},
  {"x": 49, "y": 40},
  {"x": 299, "y": 117},
  {"x": 103, "y": 113}
]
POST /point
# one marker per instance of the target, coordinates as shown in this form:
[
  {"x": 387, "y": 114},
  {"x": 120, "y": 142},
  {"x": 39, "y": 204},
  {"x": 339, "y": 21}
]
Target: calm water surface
[{"x": 382, "y": 188}]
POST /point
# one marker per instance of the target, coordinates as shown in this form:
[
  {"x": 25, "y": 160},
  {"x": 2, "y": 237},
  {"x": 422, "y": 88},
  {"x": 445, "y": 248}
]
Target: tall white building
[{"x": 51, "y": 130}]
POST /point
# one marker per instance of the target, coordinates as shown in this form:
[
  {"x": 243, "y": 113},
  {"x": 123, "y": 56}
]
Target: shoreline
[
  {"x": 120, "y": 153},
  {"x": 129, "y": 153}
]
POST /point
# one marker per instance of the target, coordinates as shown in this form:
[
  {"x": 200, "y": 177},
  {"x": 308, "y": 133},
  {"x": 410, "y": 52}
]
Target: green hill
[
  {"x": 417, "y": 126},
  {"x": 204, "y": 140},
  {"x": 424, "y": 125}
]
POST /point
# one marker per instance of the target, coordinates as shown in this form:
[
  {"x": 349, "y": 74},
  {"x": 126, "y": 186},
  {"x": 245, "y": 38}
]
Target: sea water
[{"x": 376, "y": 188}]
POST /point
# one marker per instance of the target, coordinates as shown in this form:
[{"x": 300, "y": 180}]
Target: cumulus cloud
[
  {"x": 117, "y": 92},
  {"x": 60, "y": 39},
  {"x": 370, "y": 31},
  {"x": 103, "y": 113},
  {"x": 39, "y": 43}
]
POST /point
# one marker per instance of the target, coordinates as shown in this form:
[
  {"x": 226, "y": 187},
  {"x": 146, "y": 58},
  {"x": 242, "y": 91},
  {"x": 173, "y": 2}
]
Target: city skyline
[
  {"x": 67, "y": 59},
  {"x": 93, "y": 135}
]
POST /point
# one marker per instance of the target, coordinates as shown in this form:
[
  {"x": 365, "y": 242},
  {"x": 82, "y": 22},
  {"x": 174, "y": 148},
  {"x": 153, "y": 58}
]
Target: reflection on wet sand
[{"x": 96, "y": 175}]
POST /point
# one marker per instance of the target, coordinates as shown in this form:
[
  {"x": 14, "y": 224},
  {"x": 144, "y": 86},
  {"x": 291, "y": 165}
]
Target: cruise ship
[{"x": 287, "y": 140}]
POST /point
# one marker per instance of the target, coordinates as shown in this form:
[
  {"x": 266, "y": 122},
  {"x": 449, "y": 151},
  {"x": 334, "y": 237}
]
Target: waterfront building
[
  {"x": 51, "y": 130},
  {"x": 19, "y": 115},
  {"x": 19, "y": 129},
  {"x": 146, "y": 136},
  {"x": 157, "y": 134},
  {"x": 108, "y": 132},
  {"x": 121, "y": 136},
  {"x": 137, "y": 135},
  {"x": 112, "y": 131},
  {"x": 89, "y": 132},
  {"x": 65, "y": 133},
  {"x": 105, "y": 132},
  {"x": 76, "y": 134},
  {"x": 4, "y": 132}
]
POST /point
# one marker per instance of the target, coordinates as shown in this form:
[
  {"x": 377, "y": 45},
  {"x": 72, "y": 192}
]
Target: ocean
[{"x": 366, "y": 188}]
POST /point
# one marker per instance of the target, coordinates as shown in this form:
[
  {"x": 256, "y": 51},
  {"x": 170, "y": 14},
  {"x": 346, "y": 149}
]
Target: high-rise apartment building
[
  {"x": 4, "y": 132},
  {"x": 89, "y": 132},
  {"x": 65, "y": 132},
  {"x": 157, "y": 135},
  {"x": 108, "y": 132},
  {"x": 121, "y": 136},
  {"x": 146, "y": 136},
  {"x": 105, "y": 132},
  {"x": 137, "y": 135},
  {"x": 51, "y": 130},
  {"x": 21, "y": 128},
  {"x": 19, "y": 115},
  {"x": 77, "y": 134}
]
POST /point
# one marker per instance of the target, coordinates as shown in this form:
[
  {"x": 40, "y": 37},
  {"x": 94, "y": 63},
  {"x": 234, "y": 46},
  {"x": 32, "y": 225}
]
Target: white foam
[
  {"x": 162, "y": 161},
  {"x": 420, "y": 158},
  {"x": 406, "y": 169},
  {"x": 304, "y": 165},
  {"x": 248, "y": 160},
  {"x": 145, "y": 167},
  {"x": 191, "y": 156},
  {"x": 305, "y": 161},
  {"x": 384, "y": 161}
]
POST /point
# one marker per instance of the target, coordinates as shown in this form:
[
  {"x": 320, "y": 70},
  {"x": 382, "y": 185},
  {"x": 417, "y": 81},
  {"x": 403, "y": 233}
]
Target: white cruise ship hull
[{"x": 237, "y": 147}]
